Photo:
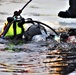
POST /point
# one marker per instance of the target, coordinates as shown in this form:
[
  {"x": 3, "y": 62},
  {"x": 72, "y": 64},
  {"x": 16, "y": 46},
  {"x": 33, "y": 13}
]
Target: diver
[{"x": 17, "y": 30}]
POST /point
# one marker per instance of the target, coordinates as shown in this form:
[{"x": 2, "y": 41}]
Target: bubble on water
[{"x": 38, "y": 38}]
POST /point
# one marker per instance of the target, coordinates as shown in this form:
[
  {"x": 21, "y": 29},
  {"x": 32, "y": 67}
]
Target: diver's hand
[
  {"x": 17, "y": 13},
  {"x": 10, "y": 19}
]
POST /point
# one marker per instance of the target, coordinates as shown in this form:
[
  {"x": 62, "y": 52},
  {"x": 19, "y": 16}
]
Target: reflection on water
[
  {"x": 53, "y": 62},
  {"x": 21, "y": 63},
  {"x": 61, "y": 62}
]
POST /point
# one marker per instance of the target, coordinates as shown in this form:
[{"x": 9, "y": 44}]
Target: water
[{"x": 42, "y": 58}]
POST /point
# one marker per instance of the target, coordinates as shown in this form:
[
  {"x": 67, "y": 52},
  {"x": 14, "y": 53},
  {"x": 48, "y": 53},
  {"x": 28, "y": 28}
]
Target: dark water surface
[{"x": 44, "y": 58}]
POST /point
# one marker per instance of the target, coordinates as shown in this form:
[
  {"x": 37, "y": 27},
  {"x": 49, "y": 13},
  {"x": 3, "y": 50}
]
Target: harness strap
[{"x": 14, "y": 28}]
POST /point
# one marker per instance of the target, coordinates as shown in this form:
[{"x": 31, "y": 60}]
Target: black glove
[
  {"x": 17, "y": 13},
  {"x": 10, "y": 19}
]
